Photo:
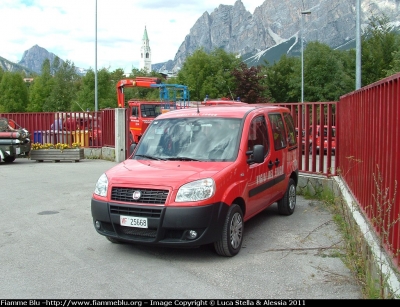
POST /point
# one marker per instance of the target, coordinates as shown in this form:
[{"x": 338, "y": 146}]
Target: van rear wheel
[
  {"x": 287, "y": 203},
  {"x": 231, "y": 238}
]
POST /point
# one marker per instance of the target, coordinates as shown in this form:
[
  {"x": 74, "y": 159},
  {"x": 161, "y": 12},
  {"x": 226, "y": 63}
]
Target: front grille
[
  {"x": 149, "y": 196},
  {"x": 136, "y": 211},
  {"x": 140, "y": 232}
]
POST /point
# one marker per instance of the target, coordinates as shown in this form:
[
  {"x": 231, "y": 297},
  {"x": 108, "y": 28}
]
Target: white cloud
[{"x": 67, "y": 28}]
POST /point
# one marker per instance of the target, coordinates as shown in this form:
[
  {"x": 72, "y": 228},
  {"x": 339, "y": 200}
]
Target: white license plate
[{"x": 132, "y": 221}]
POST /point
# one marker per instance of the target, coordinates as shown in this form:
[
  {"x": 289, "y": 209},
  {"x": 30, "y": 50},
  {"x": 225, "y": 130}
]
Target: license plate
[{"x": 132, "y": 221}]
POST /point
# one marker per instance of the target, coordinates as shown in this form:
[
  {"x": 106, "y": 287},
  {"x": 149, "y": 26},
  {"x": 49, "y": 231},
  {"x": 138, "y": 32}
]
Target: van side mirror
[{"x": 257, "y": 155}]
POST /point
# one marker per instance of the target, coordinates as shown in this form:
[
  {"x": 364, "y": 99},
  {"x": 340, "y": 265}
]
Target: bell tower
[{"x": 145, "y": 53}]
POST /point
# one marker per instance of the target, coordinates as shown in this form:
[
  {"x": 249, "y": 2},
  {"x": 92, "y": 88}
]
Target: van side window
[
  {"x": 278, "y": 131},
  {"x": 291, "y": 129},
  {"x": 258, "y": 134}
]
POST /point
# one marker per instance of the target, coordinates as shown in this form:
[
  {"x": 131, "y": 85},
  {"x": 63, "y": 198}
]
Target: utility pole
[
  {"x": 302, "y": 57},
  {"x": 358, "y": 44},
  {"x": 96, "y": 107}
]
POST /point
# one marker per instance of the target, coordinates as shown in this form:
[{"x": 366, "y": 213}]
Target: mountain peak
[
  {"x": 274, "y": 28},
  {"x": 34, "y": 57}
]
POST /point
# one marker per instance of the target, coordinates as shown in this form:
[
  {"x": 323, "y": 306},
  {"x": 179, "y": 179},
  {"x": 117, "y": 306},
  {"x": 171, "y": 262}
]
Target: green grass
[{"x": 357, "y": 255}]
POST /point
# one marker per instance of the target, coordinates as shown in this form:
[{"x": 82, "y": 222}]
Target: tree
[
  {"x": 193, "y": 73},
  {"x": 328, "y": 74},
  {"x": 85, "y": 97},
  {"x": 1, "y": 76},
  {"x": 40, "y": 89},
  {"x": 1, "y": 73},
  {"x": 55, "y": 66},
  {"x": 117, "y": 75},
  {"x": 249, "y": 87},
  {"x": 379, "y": 46},
  {"x": 65, "y": 88},
  {"x": 13, "y": 93},
  {"x": 283, "y": 79},
  {"x": 209, "y": 74},
  {"x": 107, "y": 93},
  {"x": 325, "y": 77},
  {"x": 395, "y": 66}
]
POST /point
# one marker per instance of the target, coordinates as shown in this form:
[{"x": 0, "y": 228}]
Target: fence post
[{"x": 120, "y": 129}]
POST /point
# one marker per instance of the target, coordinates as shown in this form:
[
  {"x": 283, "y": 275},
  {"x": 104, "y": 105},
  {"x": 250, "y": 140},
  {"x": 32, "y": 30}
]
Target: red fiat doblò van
[{"x": 197, "y": 175}]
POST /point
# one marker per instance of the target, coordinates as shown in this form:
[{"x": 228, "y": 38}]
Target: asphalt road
[{"x": 50, "y": 249}]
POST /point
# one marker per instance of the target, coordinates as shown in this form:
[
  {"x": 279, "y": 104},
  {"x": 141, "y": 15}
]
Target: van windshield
[{"x": 190, "y": 139}]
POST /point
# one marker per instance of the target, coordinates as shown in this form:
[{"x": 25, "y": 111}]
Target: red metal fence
[
  {"x": 369, "y": 136},
  {"x": 90, "y": 129},
  {"x": 97, "y": 129},
  {"x": 315, "y": 123}
]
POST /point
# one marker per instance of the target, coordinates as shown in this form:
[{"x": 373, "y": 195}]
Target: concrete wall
[{"x": 105, "y": 153}]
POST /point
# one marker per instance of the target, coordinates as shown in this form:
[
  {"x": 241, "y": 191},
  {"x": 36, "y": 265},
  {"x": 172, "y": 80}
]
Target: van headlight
[
  {"x": 196, "y": 190},
  {"x": 101, "y": 186}
]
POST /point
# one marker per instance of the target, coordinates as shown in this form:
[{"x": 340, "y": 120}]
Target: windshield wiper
[
  {"x": 184, "y": 159},
  {"x": 150, "y": 157}
]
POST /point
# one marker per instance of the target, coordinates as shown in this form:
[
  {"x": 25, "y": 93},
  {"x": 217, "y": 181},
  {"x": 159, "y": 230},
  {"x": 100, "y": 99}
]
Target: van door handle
[
  {"x": 270, "y": 164},
  {"x": 277, "y": 162}
]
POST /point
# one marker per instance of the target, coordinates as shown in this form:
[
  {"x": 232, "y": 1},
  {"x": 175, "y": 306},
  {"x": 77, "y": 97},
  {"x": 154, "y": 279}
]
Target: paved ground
[{"x": 50, "y": 249}]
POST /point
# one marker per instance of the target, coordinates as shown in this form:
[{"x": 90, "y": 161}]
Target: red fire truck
[{"x": 142, "y": 113}]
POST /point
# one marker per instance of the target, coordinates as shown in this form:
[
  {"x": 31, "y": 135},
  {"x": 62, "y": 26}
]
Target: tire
[
  {"x": 287, "y": 203},
  {"x": 9, "y": 159},
  {"x": 231, "y": 238},
  {"x": 114, "y": 240}
]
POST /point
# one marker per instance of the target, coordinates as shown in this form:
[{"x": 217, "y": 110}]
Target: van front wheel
[
  {"x": 231, "y": 238},
  {"x": 287, "y": 203}
]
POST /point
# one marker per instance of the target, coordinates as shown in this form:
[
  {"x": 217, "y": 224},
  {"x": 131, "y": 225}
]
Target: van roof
[
  {"x": 222, "y": 102},
  {"x": 221, "y": 111}
]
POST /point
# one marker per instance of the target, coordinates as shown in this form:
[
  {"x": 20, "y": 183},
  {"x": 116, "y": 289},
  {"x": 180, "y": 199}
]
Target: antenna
[
  {"x": 79, "y": 106},
  {"x": 230, "y": 91}
]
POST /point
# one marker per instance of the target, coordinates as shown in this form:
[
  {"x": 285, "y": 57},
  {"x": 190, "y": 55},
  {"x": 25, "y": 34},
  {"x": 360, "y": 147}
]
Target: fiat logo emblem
[{"x": 136, "y": 195}]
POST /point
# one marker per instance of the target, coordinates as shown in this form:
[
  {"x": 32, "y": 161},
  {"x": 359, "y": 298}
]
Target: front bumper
[{"x": 167, "y": 226}]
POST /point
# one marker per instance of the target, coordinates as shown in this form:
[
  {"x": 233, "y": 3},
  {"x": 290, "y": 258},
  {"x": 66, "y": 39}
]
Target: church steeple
[
  {"x": 145, "y": 37},
  {"x": 145, "y": 52}
]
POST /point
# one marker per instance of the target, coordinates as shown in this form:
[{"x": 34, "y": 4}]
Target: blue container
[{"x": 37, "y": 137}]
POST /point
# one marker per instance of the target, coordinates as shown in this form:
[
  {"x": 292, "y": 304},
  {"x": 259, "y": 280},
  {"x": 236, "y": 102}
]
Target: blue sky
[{"x": 67, "y": 28}]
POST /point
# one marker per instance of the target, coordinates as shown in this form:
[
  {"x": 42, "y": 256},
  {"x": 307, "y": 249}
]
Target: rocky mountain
[
  {"x": 32, "y": 60},
  {"x": 6, "y": 65},
  {"x": 275, "y": 28},
  {"x": 272, "y": 30},
  {"x": 34, "y": 57}
]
